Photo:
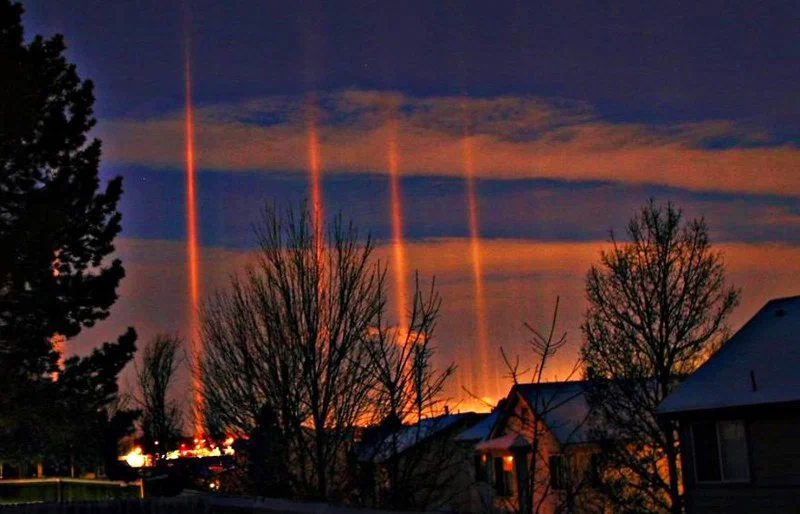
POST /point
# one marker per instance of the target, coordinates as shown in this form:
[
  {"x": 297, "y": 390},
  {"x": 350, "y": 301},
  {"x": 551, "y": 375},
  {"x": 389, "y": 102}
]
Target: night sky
[{"x": 578, "y": 112}]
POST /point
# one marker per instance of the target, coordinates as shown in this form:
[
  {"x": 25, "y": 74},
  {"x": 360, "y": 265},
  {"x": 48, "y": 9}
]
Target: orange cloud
[{"x": 513, "y": 137}]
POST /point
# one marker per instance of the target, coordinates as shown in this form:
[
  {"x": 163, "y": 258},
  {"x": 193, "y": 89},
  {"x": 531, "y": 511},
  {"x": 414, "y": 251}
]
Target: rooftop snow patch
[
  {"x": 563, "y": 407},
  {"x": 409, "y": 436},
  {"x": 759, "y": 365}
]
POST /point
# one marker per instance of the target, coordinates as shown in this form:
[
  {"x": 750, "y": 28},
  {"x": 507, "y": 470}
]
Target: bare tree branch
[
  {"x": 161, "y": 417},
  {"x": 657, "y": 307}
]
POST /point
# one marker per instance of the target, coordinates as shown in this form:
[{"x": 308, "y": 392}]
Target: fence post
[{"x": 59, "y": 493}]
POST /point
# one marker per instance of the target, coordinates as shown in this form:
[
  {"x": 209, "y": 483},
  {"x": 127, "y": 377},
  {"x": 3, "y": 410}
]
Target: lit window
[
  {"x": 480, "y": 467},
  {"x": 502, "y": 478},
  {"x": 720, "y": 451}
]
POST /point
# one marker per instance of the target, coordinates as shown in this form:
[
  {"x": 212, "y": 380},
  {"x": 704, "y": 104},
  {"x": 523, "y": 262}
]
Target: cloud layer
[{"x": 511, "y": 138}]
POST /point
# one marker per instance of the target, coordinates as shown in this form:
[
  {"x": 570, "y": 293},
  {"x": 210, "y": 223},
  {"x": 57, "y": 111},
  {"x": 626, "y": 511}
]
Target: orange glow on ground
[
  {"x": 398, "y": 244},
  {"x": 483, "y": 371},
  {"x": 314, "y": 172},
  {"x": 191, "y": 243}
]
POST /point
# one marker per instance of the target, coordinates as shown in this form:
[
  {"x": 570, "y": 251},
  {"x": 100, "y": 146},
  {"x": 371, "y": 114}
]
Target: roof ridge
[
  {"x": 553, "y": 382},
  {"x": 755, "y": 366},
  {"x": 782, "y": 299}
]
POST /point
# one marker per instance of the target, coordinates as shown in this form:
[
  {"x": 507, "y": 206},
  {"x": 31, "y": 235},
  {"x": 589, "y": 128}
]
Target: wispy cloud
[{"x": 513, "y": 137}]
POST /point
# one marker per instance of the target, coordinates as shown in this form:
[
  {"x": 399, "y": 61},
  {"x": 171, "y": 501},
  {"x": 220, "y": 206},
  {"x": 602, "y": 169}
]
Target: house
[
  {"x": 538, "y": 455},
  {"x": 479, "y": 497},
  {"x": 419, "y": 466},
  {"x": 739, "y": 419}
]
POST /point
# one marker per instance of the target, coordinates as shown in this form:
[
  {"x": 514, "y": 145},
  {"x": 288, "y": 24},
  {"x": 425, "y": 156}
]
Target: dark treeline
[{"x": 57, "y": 228}]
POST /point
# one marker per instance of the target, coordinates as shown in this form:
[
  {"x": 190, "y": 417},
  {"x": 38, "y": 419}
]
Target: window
[
  {"x": 557, "y": 473},
  {"x": 502, "y": 478},
  {"x": 480, "y": 467},
  {"x": 720, "y": 451}
]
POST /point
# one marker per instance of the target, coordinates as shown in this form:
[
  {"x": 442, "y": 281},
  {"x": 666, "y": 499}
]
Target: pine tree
[
  {"x": 57, "y": 225},
  {"x": 83, "y": 419}
]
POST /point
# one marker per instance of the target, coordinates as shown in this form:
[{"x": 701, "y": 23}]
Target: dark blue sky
[{"x": 651, "y": 61}]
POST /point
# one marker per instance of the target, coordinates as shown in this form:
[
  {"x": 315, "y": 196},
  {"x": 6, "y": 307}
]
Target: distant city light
[{"x": 136, "y": 459}]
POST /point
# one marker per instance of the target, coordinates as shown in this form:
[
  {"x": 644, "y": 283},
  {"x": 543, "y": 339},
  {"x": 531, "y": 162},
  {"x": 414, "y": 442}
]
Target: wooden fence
[{"x": 58, "y": 490}]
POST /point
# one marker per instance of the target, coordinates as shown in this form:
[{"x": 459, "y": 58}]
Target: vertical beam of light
[
  {"x": 314, "y": 172},
  {"x": 477, "y": 268},
  {"x": 191, "y": 244},
  {"x": 398, "y": 244}
]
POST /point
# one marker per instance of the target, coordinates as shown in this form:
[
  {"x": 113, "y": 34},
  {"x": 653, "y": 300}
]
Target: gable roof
[
  {"x": 563, "y": 407},
  {"x": 768, "y": 346}
]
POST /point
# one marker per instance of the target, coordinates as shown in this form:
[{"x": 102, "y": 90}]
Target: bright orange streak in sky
[
  {"x": 315, "y": 174},
  {"x": 191, "y": 243},
  {"x": 477, "y": 268},
  {"x": 398, "y": 244}
]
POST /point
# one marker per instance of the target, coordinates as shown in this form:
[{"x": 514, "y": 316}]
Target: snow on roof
[
  {"x": 563, "y": 407},
  {"x": 767, "y": 346},
  {"x": 481, "y": 430},
  {"x": 505, "y": 442},
  {"x": 410, "y": 435}
]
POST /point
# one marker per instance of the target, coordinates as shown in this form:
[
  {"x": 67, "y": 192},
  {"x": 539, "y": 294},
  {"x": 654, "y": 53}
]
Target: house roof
[
  {"x": 757, "y": 366},
  {"x": 481, "y": 430},
  {"x": 563, "y": 407},
  {"x": 409, "y": 436}
]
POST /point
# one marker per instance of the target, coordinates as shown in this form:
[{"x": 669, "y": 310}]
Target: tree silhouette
[
  {"x": 88, "y": 418},
  {"x": 56, "y": 225},
  {"x": 290, "y": 334},
  {"x": 161, "y": 417},
  {"x": 657, "y": 307},
  {"x": 408, "y": 388},
  {"x": 302, "y": 336}
]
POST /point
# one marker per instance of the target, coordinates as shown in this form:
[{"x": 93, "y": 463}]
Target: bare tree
[
  {"x": 657, "y": 306},
  {"x": 292, "y": 334},
  {"x": 408, "y": 387},
  {"x": 535, "y": 492},
  {"x": 161, "y": 417},
  {"x": 407, "y": 384}
]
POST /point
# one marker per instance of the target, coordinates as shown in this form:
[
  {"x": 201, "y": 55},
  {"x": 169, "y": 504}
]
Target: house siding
[{"x": 773, "y": 438}]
